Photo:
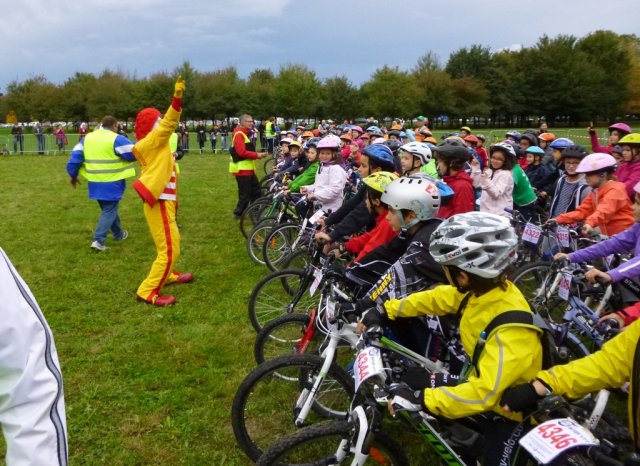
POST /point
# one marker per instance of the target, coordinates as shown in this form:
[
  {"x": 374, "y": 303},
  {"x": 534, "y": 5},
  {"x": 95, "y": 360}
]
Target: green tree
[
  {"x": 390, "y": 93},
  {"x": 434, "y": 87},
  {"x": 632, "y": 46},
  {"x": 471, "y": 98},
  {"x": 259, "y": 94},
  {"x": 341, "y": 99},
  {"x": 297, "y": 91},
  {"x": 74, "y": 96},
  {"x": 217, "y": 94},
  {"x": 109, "y": 95},
  {"x": 474, "y": 62}
]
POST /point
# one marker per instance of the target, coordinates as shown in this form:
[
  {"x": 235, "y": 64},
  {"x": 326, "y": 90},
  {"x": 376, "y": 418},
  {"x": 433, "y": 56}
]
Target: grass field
[{"x": 142, "y": 385}]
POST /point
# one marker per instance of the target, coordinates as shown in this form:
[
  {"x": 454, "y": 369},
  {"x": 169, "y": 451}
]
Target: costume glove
[{"x": 179, "y": 88}]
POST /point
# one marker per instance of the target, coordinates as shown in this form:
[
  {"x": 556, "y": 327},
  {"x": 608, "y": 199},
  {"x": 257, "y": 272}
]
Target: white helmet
[
  {"x": 480, "y": 243},
  {"x": 418, "y": 193},
  {"x": 503, "y": 147},
  {"x": 418, "y": 149}
]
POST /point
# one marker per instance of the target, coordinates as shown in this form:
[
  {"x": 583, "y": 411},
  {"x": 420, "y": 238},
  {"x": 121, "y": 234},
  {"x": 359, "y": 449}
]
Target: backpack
[{"x": 521, "y": 318}]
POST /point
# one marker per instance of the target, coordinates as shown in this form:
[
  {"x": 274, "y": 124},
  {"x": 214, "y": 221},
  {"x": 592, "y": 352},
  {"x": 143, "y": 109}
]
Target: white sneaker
[
  {"x": 125, "y": 235},
  {"x": 98, "y": 247}
]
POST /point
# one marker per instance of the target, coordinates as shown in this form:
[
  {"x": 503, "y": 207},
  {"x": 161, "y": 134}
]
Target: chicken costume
[{"x": 158, "y": 188}]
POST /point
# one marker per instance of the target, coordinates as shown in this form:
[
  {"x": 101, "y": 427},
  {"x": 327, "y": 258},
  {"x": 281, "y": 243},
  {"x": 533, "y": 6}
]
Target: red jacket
[
  {"x": 608, "y": 207},
  {"x": 464, "y": 197},
  {"x": 482, "y": 153},
  {"x": 242, "y": 150},
  {"x": 381, "y": 234}
]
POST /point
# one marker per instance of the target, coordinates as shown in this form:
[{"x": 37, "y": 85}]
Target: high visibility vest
[
  {"x": 242, "y": 164},
  {"x": 101, "y": 164},
  {"x": 268, "y": 131}
]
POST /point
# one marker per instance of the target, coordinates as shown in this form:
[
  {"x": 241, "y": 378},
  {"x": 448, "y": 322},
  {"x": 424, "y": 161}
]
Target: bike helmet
[
  {"x": 431, "y": 139},
  {"x": 472, "y": 139},
  {"x": 419, "y": 194},
  {"x": 622, "y": 128},
  {"x": 482, "y": 137},
  {"x": 295, "y": 144},
  {"x": 395, "y": 132},
  {"x": 379, "y": 181},
  {"x": 346, "y": 137},
  {"x": 365, "y": 136},
  {"x": 381, "y": 156},
  {"x": 630, "y": 139},
  {"x": 307, "y": 134},
  {"x": 534, "y": 150},
  {"x": 466, "y": 128},
  {"x": 617, "y": 149},
  {"x": 479, "y": 243},
  {"x": 393, "y": 145},
  {"x": 328, "y": 142},
  {"x": 379, "y": 140},
  {"x": 533, "y": 140},
  {"x": 575, "y": 151},
  {"x": 504, "y": 147},
  {"x": 597, "y": 163},
  {"x": 313, "y": 142},
  {"x": 452, "y": 149},
  {"x": 561, "y": 143},
  {"x": 373, "y": 129},
  {"x": 356, "y": 128},
  {"x": 549, "y": 137},
  {"x": 418, "y": 149},
  {"x": 515, "y": 135},
  {"x": 286, "y": 141}
]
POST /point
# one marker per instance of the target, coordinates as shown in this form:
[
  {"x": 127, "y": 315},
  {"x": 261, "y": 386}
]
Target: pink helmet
[
  {"x": 379, "y": 141},
  {"x": 597, "y": 162},
  {"x": 328, "y": 143},
  {"x": 620, "y": 127}
]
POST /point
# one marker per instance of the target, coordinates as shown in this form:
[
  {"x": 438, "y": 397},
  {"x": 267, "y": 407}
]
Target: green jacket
[
  {"x": 430, "y": 169},
  {"x": 305, "y": 178},
  {"x": 523, "y": 193}
]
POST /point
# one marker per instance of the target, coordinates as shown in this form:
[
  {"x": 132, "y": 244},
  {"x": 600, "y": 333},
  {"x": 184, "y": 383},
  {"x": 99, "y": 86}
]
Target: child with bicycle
[
  {"x": 495, "y": 182},
  {"x": 624, "y": 242},
  {"x": 328, "y": 186},
  {"x": 475, "y": 250},
  {"x": 607, "y": 207},
  {"x": 413, "y": 156},
  {"x": 611, "y": 367},
  {"x": 451, "y": 159},
  {"x": 571, "y": 188}
]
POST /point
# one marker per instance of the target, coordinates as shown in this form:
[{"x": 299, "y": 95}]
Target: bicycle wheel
[
  {"x": 264, "y": 407},
  {"x": 257, "y": 237},
  {"x": 535, "y": 283},
  {"x": 297, "y": 259},
  {"x": 279, "y": 243},
  {"x": 253, "y": 214},
  {"x": 268, "y": 165},
  {"x": 274, "y": 294},
  {"x": 320, "y": 443},
  {"x": 286, "y": 335}
]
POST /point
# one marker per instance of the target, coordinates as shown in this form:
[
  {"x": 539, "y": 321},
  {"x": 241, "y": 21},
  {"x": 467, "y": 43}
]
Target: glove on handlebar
[
  {"x": 405, "y": 397},
  {"x": 520, "y": 397}
]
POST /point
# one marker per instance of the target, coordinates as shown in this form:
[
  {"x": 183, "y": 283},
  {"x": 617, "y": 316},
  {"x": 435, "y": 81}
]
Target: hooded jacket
[
  {"x": 629, "y": 174},
  {"x": 608, "y": 208},
  {"x": 464, "y": 196}
]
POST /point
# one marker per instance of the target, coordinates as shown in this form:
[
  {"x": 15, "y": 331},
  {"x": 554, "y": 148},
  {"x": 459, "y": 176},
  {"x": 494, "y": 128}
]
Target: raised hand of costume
[{"x": 179, "y": 88}]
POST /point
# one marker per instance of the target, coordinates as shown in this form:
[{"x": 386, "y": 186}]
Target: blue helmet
[
  {"x": 534, "y": 150},
  {"x": 561, "y": 143},
  {"x": 381, "y": 156},
  {"x": 515, "y": 135}
]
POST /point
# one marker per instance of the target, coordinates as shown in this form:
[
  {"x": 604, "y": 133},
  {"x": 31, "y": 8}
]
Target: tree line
[{"x": 596, "y": 77}]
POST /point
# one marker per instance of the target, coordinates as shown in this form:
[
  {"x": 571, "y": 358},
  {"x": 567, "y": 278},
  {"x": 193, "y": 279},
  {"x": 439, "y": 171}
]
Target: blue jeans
[{"x": 109, "y": 220}]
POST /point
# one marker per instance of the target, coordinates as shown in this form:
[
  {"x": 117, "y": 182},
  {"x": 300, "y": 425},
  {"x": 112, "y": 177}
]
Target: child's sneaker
[
  {"x": 125, "y": 235},
  {"x": 98, "y": 247}
]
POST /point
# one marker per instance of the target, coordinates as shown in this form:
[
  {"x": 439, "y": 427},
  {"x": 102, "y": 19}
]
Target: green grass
[{"x": 142, "y": 385}]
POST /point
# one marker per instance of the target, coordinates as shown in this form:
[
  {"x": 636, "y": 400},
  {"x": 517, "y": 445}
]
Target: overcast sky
[{"x": 332, "y": 37}]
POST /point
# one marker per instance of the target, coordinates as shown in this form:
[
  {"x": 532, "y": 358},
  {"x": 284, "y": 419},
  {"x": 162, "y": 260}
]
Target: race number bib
[
  {"x": 531, "y": 233},
  {"x": 368, "y": 364},
  {"x": 565, "y": 286},
  {"x": 314, "y": 218},
  {"x": 317, "y": 278},
  {"x": 564, "y": 239},
  {"x": 551, "y": 438}
]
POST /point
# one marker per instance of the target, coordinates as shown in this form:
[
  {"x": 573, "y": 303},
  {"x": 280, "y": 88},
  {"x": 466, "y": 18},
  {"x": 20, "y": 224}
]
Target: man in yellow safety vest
[{"x": 104, "y": 158}]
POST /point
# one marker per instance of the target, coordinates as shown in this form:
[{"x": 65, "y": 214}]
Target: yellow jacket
[
  {"x": 512, "y": 353},
  {"x": 156, "y": 158},
  {"x": 610, "y": 367}
]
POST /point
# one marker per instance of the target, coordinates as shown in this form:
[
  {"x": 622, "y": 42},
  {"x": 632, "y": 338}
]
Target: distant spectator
[
  {"x": 201, "y": 134},
  {"x": 213, "y": 136},
  {"x": 18, "y": 137},
  {"x": 82, "y": 131},
  {"x": 224, "y": 134},
  {"x": 61, "y": 138},
  {"x": 183, "y": 136},
  {"x": 39, "y": 133}
]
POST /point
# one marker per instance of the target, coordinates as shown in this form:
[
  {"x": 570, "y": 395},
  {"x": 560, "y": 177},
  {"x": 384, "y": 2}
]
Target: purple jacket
[
  {"x": 629, "y": 174},
  {"x": 624, "y": 242}
]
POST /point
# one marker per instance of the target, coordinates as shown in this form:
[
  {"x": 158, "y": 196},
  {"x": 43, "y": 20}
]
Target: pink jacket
[
  {"x": 497, "y": 190},
  {"x": 629, "y": 174},
  {"x": 329, "y": 186}
]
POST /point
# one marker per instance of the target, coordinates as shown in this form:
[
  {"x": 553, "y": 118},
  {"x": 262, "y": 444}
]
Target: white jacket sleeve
[
  {"x": 331, "y": 185},
  {"x": 32, "y": 412}
]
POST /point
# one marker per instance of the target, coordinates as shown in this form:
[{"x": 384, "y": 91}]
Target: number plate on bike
[
  {"x": 553, "y": 437},
  {"x": 317, "y": 278},
  {"x": 564, "y": 288},
  {"x": 531, "y": 233},
  {"x": 314, "y": 218},
  {"x": 562, "y": 234},
  {"x": 368, "y": 363}
]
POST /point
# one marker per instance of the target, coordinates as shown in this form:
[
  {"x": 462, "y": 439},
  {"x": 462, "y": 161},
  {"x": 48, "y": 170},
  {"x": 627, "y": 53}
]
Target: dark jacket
[{"x": 352, "y": 217}]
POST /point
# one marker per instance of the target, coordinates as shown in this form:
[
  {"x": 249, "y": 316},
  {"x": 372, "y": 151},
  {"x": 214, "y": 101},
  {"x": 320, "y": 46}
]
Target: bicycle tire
[
  {"x": 318, "y": 443},
  {"x": 297, "y": 259},
  {"x": 272, "y": 296},
  {"x": 282, "y": 335},
  {"x": 263, "y": 408},
  {"x": 278, "y": 244},
  {"x": 268, "y": 165},
  {"x": 253, "y": 214},
  {"x": 533, "y": 281},
  {"x": 257, "y": 237}
]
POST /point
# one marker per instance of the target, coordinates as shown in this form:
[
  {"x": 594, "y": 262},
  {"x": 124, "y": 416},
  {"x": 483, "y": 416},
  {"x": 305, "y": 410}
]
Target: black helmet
[
  {"x": 575, "y": 151},
  {"x": 533, "y": 140},
  {"x": 452, "y": 149},
  {"x": 393, "y": 145}
]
